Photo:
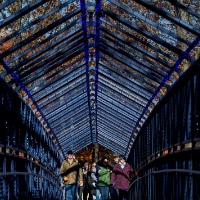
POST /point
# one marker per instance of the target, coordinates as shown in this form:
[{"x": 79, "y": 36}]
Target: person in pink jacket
[{"x": 120, "y": 177}]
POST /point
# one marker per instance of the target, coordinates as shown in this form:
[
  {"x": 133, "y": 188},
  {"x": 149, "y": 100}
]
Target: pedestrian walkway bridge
[{"x": 121, "y": 74}]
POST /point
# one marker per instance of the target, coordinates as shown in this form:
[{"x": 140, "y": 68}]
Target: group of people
[{"x": 100, "y": 180}]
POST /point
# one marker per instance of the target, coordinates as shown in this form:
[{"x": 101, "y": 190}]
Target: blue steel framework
[
  {"x": 93, "y": 67},
  {"x": 95, "y": 77},
  {"x": 166, "y": 153},
  {"x": 29, "y": 160}
]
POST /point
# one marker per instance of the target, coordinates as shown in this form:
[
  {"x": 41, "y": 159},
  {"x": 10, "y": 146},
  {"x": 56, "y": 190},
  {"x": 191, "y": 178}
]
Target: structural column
[{"x": 96, "y": 152}]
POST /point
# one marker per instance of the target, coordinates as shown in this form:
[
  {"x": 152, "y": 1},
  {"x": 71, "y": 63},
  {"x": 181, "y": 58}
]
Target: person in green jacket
[{"x": 103, "y": 173}]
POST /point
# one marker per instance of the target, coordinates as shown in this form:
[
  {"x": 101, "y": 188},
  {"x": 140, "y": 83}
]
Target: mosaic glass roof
[{"x": 93, "y": 71}]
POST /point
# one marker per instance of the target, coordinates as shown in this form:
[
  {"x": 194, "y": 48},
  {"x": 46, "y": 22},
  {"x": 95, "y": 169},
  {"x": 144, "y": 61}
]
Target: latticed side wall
[
  {"x": 29, "y": 161},
  {"x": 166, "y": 153}
]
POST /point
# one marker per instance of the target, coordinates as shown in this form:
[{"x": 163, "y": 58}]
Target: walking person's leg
[
  {"x": 75, "y": 192},
  {"x": 104, "y": 191},
  {"x": 80, "y": 193},
  {"x": 68, "y": 192},
  {"x": 98, "y": 194}
]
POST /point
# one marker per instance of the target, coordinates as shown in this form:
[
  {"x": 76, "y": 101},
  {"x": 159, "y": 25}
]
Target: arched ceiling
[{"x": 92, "y": 71}]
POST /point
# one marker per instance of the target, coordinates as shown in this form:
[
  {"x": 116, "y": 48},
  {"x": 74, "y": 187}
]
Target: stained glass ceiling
[{"x": 93, "y": 71}]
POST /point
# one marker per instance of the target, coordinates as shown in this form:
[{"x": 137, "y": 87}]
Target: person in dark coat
[
  {"x": 84, "y": 190},
  {"x": 92, "y": 180},
  {"x": 120, "y": 177}
]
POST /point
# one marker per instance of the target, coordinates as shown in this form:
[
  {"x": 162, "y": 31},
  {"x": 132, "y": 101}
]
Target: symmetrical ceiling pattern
[{"x": 93, "y": 71}]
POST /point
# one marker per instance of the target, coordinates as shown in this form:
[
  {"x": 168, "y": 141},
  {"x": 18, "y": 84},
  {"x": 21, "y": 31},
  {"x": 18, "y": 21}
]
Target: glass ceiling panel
[
  {"x": 136, "y": 65},
  {"x": 62, "y": 105},
  {"x": 77, "y": 118},
  {"x": 73, "y": 130},
  {"x": 39, "y": 33},
  {"x": 113, "y": 119},
  {"x": 149, "y": 63},
  {"x": 109, "y": 126},
  {"x": 187, "y": 12},
  {"x": 68, "y": 77},
  {"x": 57, "y": 74},
  {"x": 52, "y": 66},
  {"x": 129, "y": 70},
  {"x": 111, "y": 144},
  {"x": 42, "y": 45},
  {"x": 77, "y": 137},
  {"x": 66, "y": 100},
  {"x": 104, "y": 110},
  {"x": 122, "y": 90},
  {"x": 115, "y": 136},
  {"x": 61, "y": 89},
  {"x": 81, "y": 145},
  {"x": 116, "y": 77},
  {"x": 103, "y": 99},
  {"x": 128, "y": 112},
  {"x": 51, "y": 55},
  {"x": 13, "y": 7},
  {"x": 139, "y": 42},
  {"x": 125, "y": 71},
  {"x": 109, "y": 135},
  {"x": 153, "y": 41},
  {"x": 119, "y": 99},
  {"x": 69, "y": 107},
  {"x": 62, "y": 137},
  {"x": 69, "y": 111},
  {"x": 78, "y": 146}
]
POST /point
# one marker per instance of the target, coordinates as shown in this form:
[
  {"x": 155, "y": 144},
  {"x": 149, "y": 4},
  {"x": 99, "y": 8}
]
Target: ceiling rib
[
  {"x": 42, "y": 85},
  {"x": 136, "y": 80},
  {"x": 136, "y": 86},
  {"x": 143, "y": 32},
  {"x": 24, "y": 28},
  {"x": 41, "y": 43},
  {"x": 51, "y": 49},
  {"x": 132, "y": 45},
  {"x": 125, "y": 60},
  {"x": 57, "y": 59},
  {"x": 134, "y": 108},
  {"x": 39, "y": 33},
  {"x": 168, "y": 16},
  {"x": 139, "y": 40},
  {"x": 20, "y": 13},
  {"x": 150, "y": 22},
  {"x": 134, "y": 56}
]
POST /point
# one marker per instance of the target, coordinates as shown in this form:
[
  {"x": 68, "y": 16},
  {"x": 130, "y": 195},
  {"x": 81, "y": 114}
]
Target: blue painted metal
[
  {"x": 29, "y": 159},
  {"x": 184, "y": 56},
  {"x": 21, "y": 85}
]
